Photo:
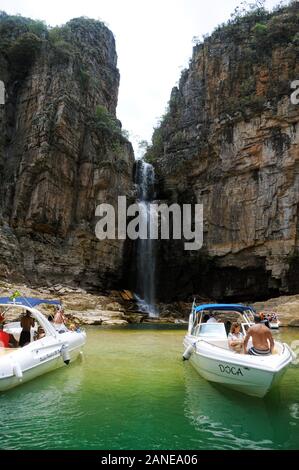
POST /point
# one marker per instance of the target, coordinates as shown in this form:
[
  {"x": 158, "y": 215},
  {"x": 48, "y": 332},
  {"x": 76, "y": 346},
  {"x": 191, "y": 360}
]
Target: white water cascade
[{"x": 146, "y": 249}]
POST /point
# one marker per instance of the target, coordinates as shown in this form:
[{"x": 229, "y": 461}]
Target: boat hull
[
  {"x": 252, "y": 382},
  {"x": 274, "y": 326},
  {"x": 243, "y": 373},
  {"x": 25, "y": 364}
]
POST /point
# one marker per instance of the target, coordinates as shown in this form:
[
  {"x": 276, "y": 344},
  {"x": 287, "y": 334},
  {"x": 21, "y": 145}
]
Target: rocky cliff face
[
  {"x": 62, "y": 152},
  {"x": 230, "y": 140}
]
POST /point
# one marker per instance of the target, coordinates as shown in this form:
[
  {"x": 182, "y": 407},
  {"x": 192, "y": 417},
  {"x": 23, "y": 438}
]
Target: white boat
[
  {"x": 206, "y": 345},
  {"x": 54, "y": 350},
  {"x": 274, "y": 325}
]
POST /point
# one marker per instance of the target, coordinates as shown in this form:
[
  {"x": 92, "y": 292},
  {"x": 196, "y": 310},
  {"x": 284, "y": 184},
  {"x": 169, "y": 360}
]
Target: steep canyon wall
[
  {"x": 230, "y": 140},
  {"x": 62, "y": 152}
]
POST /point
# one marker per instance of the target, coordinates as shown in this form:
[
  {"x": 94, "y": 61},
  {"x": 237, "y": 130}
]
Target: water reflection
[
  {"x": 133, "y": 391},
  {"x": 33, "y": 414},
  {"x": 230, "y": 420}
]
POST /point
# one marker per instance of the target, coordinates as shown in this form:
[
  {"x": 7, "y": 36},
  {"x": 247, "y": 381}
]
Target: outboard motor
[{"x": 65, "y": 353}]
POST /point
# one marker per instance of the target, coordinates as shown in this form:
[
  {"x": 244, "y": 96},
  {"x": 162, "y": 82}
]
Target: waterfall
[{"x": 145, "y": 250}]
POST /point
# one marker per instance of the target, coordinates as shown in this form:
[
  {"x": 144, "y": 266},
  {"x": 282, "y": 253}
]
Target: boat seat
[{"x": 221, "y": 343}]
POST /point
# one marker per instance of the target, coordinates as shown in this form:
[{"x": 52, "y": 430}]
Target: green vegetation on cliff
[
  {"x": 22, "y": 38},
  {"x": 260, "y": 27},
  {"x": 62, "y": 151},
  {"x": 249, "y": 40},
  {"x": 20, "y": 41}
]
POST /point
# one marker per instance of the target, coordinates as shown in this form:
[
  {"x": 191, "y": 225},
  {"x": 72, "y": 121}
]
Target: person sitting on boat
[
  {"x": 270, "y": 317},
  {"x": 273, "y": 318},
  {"x": 236, "y": 338},
  {"x": 4, "y": 337},
  {"x": 262, "y": 339},
  {"x": 26, "y": 323},
  {"x": 40, "y": 333},
  {"x": 212, "y": 319},
  {"x": 7, "y": 340},
  {"x": 59, "y": 320},
  {"x": 264, "y": 319}
]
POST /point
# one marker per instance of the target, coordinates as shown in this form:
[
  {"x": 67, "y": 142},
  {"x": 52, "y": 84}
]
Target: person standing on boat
[
  {"x": 59, "y": 320},
  {"x": 262, "y": 339},
  {"x": 26, "y": 323},
  {"x": 212, "y": 319}
]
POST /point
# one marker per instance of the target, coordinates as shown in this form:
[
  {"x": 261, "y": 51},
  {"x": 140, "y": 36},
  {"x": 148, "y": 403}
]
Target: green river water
[{"x": 133, "y": 391}]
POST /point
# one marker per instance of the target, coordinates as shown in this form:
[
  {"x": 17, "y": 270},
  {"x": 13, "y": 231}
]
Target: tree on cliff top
[
  {"x": 245, "y": 8},
  {"x": 260, "y": 32}
]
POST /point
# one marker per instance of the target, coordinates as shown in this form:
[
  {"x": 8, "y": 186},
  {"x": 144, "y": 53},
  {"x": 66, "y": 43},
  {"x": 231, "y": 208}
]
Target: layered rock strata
[
  {"x": 230, "y": 140},
  {"x": 62, "y": 152}
]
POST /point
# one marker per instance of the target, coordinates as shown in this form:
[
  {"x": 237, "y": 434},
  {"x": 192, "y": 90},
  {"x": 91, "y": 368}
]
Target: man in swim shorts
[
  {"x": 26, "y": 323},
  {"x": 262, "y": 340}
]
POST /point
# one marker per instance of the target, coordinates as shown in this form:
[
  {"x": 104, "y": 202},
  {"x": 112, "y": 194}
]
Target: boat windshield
[
  {"x": 248, "y": 315},
  {"x": 215, "y": 330},
  {"x": 26, "y": 325}
]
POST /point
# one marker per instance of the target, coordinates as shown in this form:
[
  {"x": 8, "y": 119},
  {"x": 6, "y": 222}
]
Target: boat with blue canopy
[
  {"x": 49, "y": 347},
  {"x": 209, "y": 350}
]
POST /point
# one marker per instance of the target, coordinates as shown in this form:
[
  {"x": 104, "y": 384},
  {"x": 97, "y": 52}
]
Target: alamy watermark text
[{"x": 151, "y": 221}]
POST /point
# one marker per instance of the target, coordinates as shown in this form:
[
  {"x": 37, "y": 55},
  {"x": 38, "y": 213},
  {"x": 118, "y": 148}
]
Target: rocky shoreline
[
  {"x": 107, "y": 308},
  {"x": 112, "y": 308},
  {"x": 286, "y": 306}
]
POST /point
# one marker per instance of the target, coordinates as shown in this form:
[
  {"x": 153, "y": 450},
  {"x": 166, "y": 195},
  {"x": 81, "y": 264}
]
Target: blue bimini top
[
  {"x": 29, "y": 301},
  {"x": 225, "y": 307}
]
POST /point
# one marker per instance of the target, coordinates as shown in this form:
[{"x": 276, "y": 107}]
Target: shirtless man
[
  {"x": 262, "y": 340},
  {"x": 26, "y": 323}
]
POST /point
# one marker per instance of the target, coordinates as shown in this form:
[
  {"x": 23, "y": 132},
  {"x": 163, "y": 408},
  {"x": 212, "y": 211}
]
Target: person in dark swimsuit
[
  {"x": 26, "y": 323},
  {"x": 262, "y": 339}
]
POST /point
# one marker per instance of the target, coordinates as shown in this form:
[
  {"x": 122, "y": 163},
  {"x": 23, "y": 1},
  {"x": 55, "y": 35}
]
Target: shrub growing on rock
[{"x": 23, "y": 51}]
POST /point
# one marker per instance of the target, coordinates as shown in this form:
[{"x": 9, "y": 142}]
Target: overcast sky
[{"x": 153, "y": 40}]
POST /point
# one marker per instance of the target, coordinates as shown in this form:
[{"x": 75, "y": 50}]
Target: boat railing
[{"x": 196, "y": 318}]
